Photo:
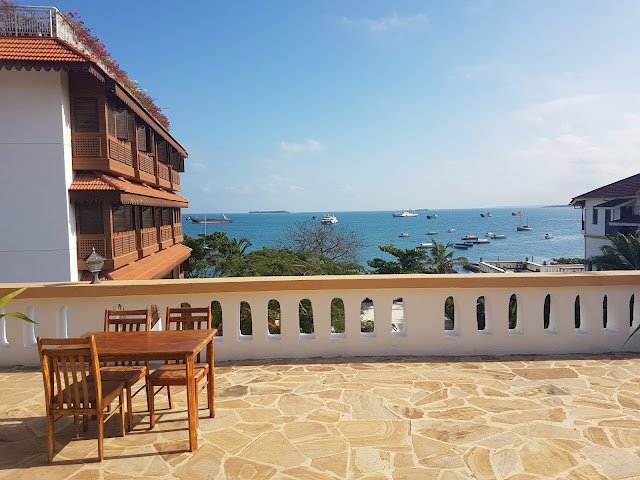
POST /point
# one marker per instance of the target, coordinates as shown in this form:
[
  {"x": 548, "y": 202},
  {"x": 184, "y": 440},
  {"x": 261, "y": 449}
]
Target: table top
[{"x": 162, "y": 345}]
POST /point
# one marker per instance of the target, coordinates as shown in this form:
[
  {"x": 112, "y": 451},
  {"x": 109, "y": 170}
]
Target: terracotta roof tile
[
  {"x": 156, "y": 265},
  {"x": 627, "y": 187},
  {"x": 101, "y": 181},
  {"x": 38, "y": 49}
]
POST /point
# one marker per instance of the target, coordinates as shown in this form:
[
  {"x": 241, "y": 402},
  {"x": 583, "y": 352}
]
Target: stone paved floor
[{"x": 512, "y": 418}]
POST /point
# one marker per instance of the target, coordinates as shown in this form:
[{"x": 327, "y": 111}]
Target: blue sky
[{"x": 381, "y": 105}]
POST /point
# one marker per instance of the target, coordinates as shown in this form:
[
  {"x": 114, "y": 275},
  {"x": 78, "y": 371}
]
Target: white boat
[
  {"x": 548, "y": 235},
  {"x": 425, "y": 245},
  {"x": 470, "y": 237},
  {"x": 329, "y": 219},
  {"x": 481, "y": 240},
  {"x": 431, "y": 232},
  {"x": 498, "y": 236},
  {"x": 489, "y": 234},
  {"x": 525, "y": 228},
  {"x": 451, "y": 230},
  {"x": 404, "y": 235},
  {"x": 405, "y": 213}
]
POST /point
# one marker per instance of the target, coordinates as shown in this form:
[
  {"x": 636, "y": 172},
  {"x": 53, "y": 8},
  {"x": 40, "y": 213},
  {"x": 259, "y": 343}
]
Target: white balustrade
[{"x": 65, "y": 310}]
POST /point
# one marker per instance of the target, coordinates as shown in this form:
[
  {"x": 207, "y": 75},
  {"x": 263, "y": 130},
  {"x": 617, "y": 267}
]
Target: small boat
[
  {"x": 404, "y": 235},
  {"x": 314, "y": 217},
  {"x": 469, "y": 243},
  {"x": 433, "y": 216},
  {"x": 489, "y": 214},
  {"x": 482, "y": 215},
  {"x": 470, "y": 237},
  {"x": 405, "y": 213},
  {"x": 498, "y": 236},
  {"x": 451, "y": 230},
  {"x": 481, "y": 241},
  {"x": 488, "y": 234},
  {"x": 461, "y": 246},
  {"x": 425, "y": 245},
  {"x": 328, "y": 219},
  {"x": 431, "y": 232},
  {"x": 516, "y": 214},
  {"x": 525, "y": 228},
  {"x": 224, "y": 219},
  {"x": 548, "y": 236}
]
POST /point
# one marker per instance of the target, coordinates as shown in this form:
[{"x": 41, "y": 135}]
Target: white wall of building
[{"x": 38, "y": 225}]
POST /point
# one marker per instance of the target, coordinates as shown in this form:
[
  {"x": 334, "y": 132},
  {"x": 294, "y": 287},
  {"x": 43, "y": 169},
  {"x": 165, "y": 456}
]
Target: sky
[{"x": 386, "y": 105}]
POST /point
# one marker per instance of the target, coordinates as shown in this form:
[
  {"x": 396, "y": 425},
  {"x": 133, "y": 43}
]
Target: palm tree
[
  {"x": 622, "y": 254},
  {"x": 442, "y": 260},
  {"x": 4, "y": 300}
]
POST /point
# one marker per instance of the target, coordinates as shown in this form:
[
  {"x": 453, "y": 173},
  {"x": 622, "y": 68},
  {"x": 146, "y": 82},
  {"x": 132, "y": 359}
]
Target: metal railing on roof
[{"x": 28, "y": 21}]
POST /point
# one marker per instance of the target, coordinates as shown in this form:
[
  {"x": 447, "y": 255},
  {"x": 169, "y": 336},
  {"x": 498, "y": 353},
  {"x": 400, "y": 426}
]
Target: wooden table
[{"x": 180, "y": 345}]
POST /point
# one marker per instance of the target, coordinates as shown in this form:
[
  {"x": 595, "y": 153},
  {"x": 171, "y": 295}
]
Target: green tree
[
  {"x": 408, "y": 260},
  {"x": 212, "y": 254},
  {"x": 567, "y": 261},
  {"x": 441, "y": 259},
  {"x": 622, "y": 254}
]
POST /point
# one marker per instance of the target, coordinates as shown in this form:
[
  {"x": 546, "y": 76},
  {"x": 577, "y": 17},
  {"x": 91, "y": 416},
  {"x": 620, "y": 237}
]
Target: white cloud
[
  {"x": 197, "y": 167},
  {"x": 308, "y": 146},
  {"x": 392, "y": 22}
]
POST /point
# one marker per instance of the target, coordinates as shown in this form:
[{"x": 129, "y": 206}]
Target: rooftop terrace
[{"x": 519, "y": 417}]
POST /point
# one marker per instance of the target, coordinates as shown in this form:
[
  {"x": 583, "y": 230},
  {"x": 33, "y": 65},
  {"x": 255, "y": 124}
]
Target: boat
[
  {"x": 404, "y": 235},
  {"x": 482, "y": 215},
  {"x": 314, "y": 217},
  {"x": 548, "y": 236},
  {"x": 431, "y": 232},
  {"x": 461, "y": 246},
  {"x": 451, "y": 230},
  {"x": 433, "y": 216},
  {"x": 425, "y": 245},
  {"x": 489, "y": 234},
  {"x": 205, "y": 220},
  {"x": 470, "y": 237},
  {"x": 524, "y": 228},
  {"x": 405, "y": 213},
  {"x": 489, "y": 214},
  {"x": 481, "y": 241},
  {"x": 516, "y": 214},
  {"x": 328, "y": 219},
  {"x": 498, "y": 236}
]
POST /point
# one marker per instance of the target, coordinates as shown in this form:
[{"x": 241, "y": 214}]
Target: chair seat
[
  {"x": 175, "y": 374},
  {"x": 110, "y": 391},
  {"x": 129, "y": 374}
]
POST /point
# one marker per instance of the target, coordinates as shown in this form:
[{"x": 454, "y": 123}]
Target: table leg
[
  {"x": 192, "y": 405},
  {"x": 211, "y": 399}
]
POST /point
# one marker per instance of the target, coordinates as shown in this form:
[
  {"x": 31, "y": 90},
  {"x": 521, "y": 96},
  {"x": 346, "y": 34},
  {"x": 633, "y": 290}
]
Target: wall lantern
[{"x": 95, "y": 262}]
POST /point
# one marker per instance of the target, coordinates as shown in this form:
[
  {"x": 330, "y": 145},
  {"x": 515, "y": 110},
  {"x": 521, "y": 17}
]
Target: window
[
  {"x": 89, "y": 218},
  {"x": 85, "y": 114},
  {"x": 147, "y": 217},
  {"x": 122, "y": 218},
  {"x": 595, "y": 216}
]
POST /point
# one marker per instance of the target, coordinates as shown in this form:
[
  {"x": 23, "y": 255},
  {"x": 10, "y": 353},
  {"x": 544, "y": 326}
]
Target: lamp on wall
[{"x": 95, "y": 262}]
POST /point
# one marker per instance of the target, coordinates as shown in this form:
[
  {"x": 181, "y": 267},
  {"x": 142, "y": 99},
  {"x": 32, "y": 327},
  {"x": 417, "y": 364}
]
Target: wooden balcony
[
  {"x": 163, "y": 178},
  {"x": 175, "y": 180},
  {"x": 165, "y": 236},
  {"x": 145, "y": 168}
]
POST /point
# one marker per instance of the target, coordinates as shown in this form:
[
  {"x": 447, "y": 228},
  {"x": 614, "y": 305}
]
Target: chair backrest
[
  {"x": 191, "y": 318},
  {"x": 66, "y": 365},
  {"x": 127, "y": 320}
]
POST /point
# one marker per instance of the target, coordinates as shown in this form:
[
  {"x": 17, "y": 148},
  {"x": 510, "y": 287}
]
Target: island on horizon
[{"x": 268, "y": 211}]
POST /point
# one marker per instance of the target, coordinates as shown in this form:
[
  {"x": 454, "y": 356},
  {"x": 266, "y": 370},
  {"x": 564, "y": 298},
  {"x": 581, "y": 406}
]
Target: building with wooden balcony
[
  {"x": 84, "y": 164},
  {"x": 607, "y": 210}
]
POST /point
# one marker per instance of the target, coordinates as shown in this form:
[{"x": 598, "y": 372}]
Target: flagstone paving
[{"x": 518, "y": 418}]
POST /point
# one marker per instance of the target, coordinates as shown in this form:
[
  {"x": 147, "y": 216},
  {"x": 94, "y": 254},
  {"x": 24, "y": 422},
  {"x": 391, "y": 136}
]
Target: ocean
[{"x": 380, "y": 227}]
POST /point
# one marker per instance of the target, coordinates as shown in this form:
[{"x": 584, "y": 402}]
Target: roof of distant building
[{"x": 627, "y": 187}]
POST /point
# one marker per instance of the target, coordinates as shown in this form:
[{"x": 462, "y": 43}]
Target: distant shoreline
[{"x": 268, "y": 211}]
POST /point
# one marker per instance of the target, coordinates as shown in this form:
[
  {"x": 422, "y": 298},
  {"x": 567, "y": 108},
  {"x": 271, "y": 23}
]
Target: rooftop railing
[{"x": 590, "y": 312}]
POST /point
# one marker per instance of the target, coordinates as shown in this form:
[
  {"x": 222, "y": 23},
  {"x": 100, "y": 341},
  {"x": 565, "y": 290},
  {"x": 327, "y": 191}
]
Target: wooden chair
[
  {"x": 73, "y": 386},
  {"x": 128, "y": 372},
  {"x": 174, "y": 374}
]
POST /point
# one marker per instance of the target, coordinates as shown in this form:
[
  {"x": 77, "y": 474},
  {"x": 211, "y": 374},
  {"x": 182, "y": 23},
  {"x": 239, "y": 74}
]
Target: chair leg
[
  {"x": 152, "y": 406},
  {"x": 197, "y": 406},
  {"x": 122, "y": 411},
  {"x": 129, "y": 409},
  {"x": 51, "y": 431},
  {"x": 100, "y": 435},
  {"x": 169, "y": 396}
]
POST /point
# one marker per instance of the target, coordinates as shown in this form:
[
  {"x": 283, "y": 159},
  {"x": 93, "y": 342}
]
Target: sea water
[{"x": 380, "y": 228}]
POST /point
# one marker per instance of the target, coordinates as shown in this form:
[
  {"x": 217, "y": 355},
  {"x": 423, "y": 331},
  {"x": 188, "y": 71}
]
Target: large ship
[
  {"x": 405, "y": 213},
  {"x": 329, "y": 219},
  {"x": 224, "y": 219}
]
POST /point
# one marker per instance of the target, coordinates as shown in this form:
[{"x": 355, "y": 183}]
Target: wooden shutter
[
  {"x": 175, "y": 160},
  {"x": 147, "y": 217},
  {"x": 90, "y": 218},
  {"x": 122, "y": 131},
  {"x": 111, "y": 119},
  {"x": 118, "y": 218},
  {"x": 131, "y": 127},
  {"x": 85, "y": 115},
  {"x": 162, "y": 151},
  {"x": 142, "y": 138},
  {"x": 166, "y": 216}
]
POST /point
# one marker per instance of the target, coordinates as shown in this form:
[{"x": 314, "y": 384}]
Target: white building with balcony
[{"x": 608, "y": 210}]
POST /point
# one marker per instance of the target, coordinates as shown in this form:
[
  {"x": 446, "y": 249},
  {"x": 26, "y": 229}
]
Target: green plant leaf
[
  {"x": 19, "y": 315},
  {"x": 4, "y": 300}
]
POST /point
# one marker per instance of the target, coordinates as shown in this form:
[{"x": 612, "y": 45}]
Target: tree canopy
[
  {"x": 212, "y": 254},
  {"x": 408, "y": 260},
  {"x": 335, "y": 242},
  {"x": 622, "y": 254}
]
